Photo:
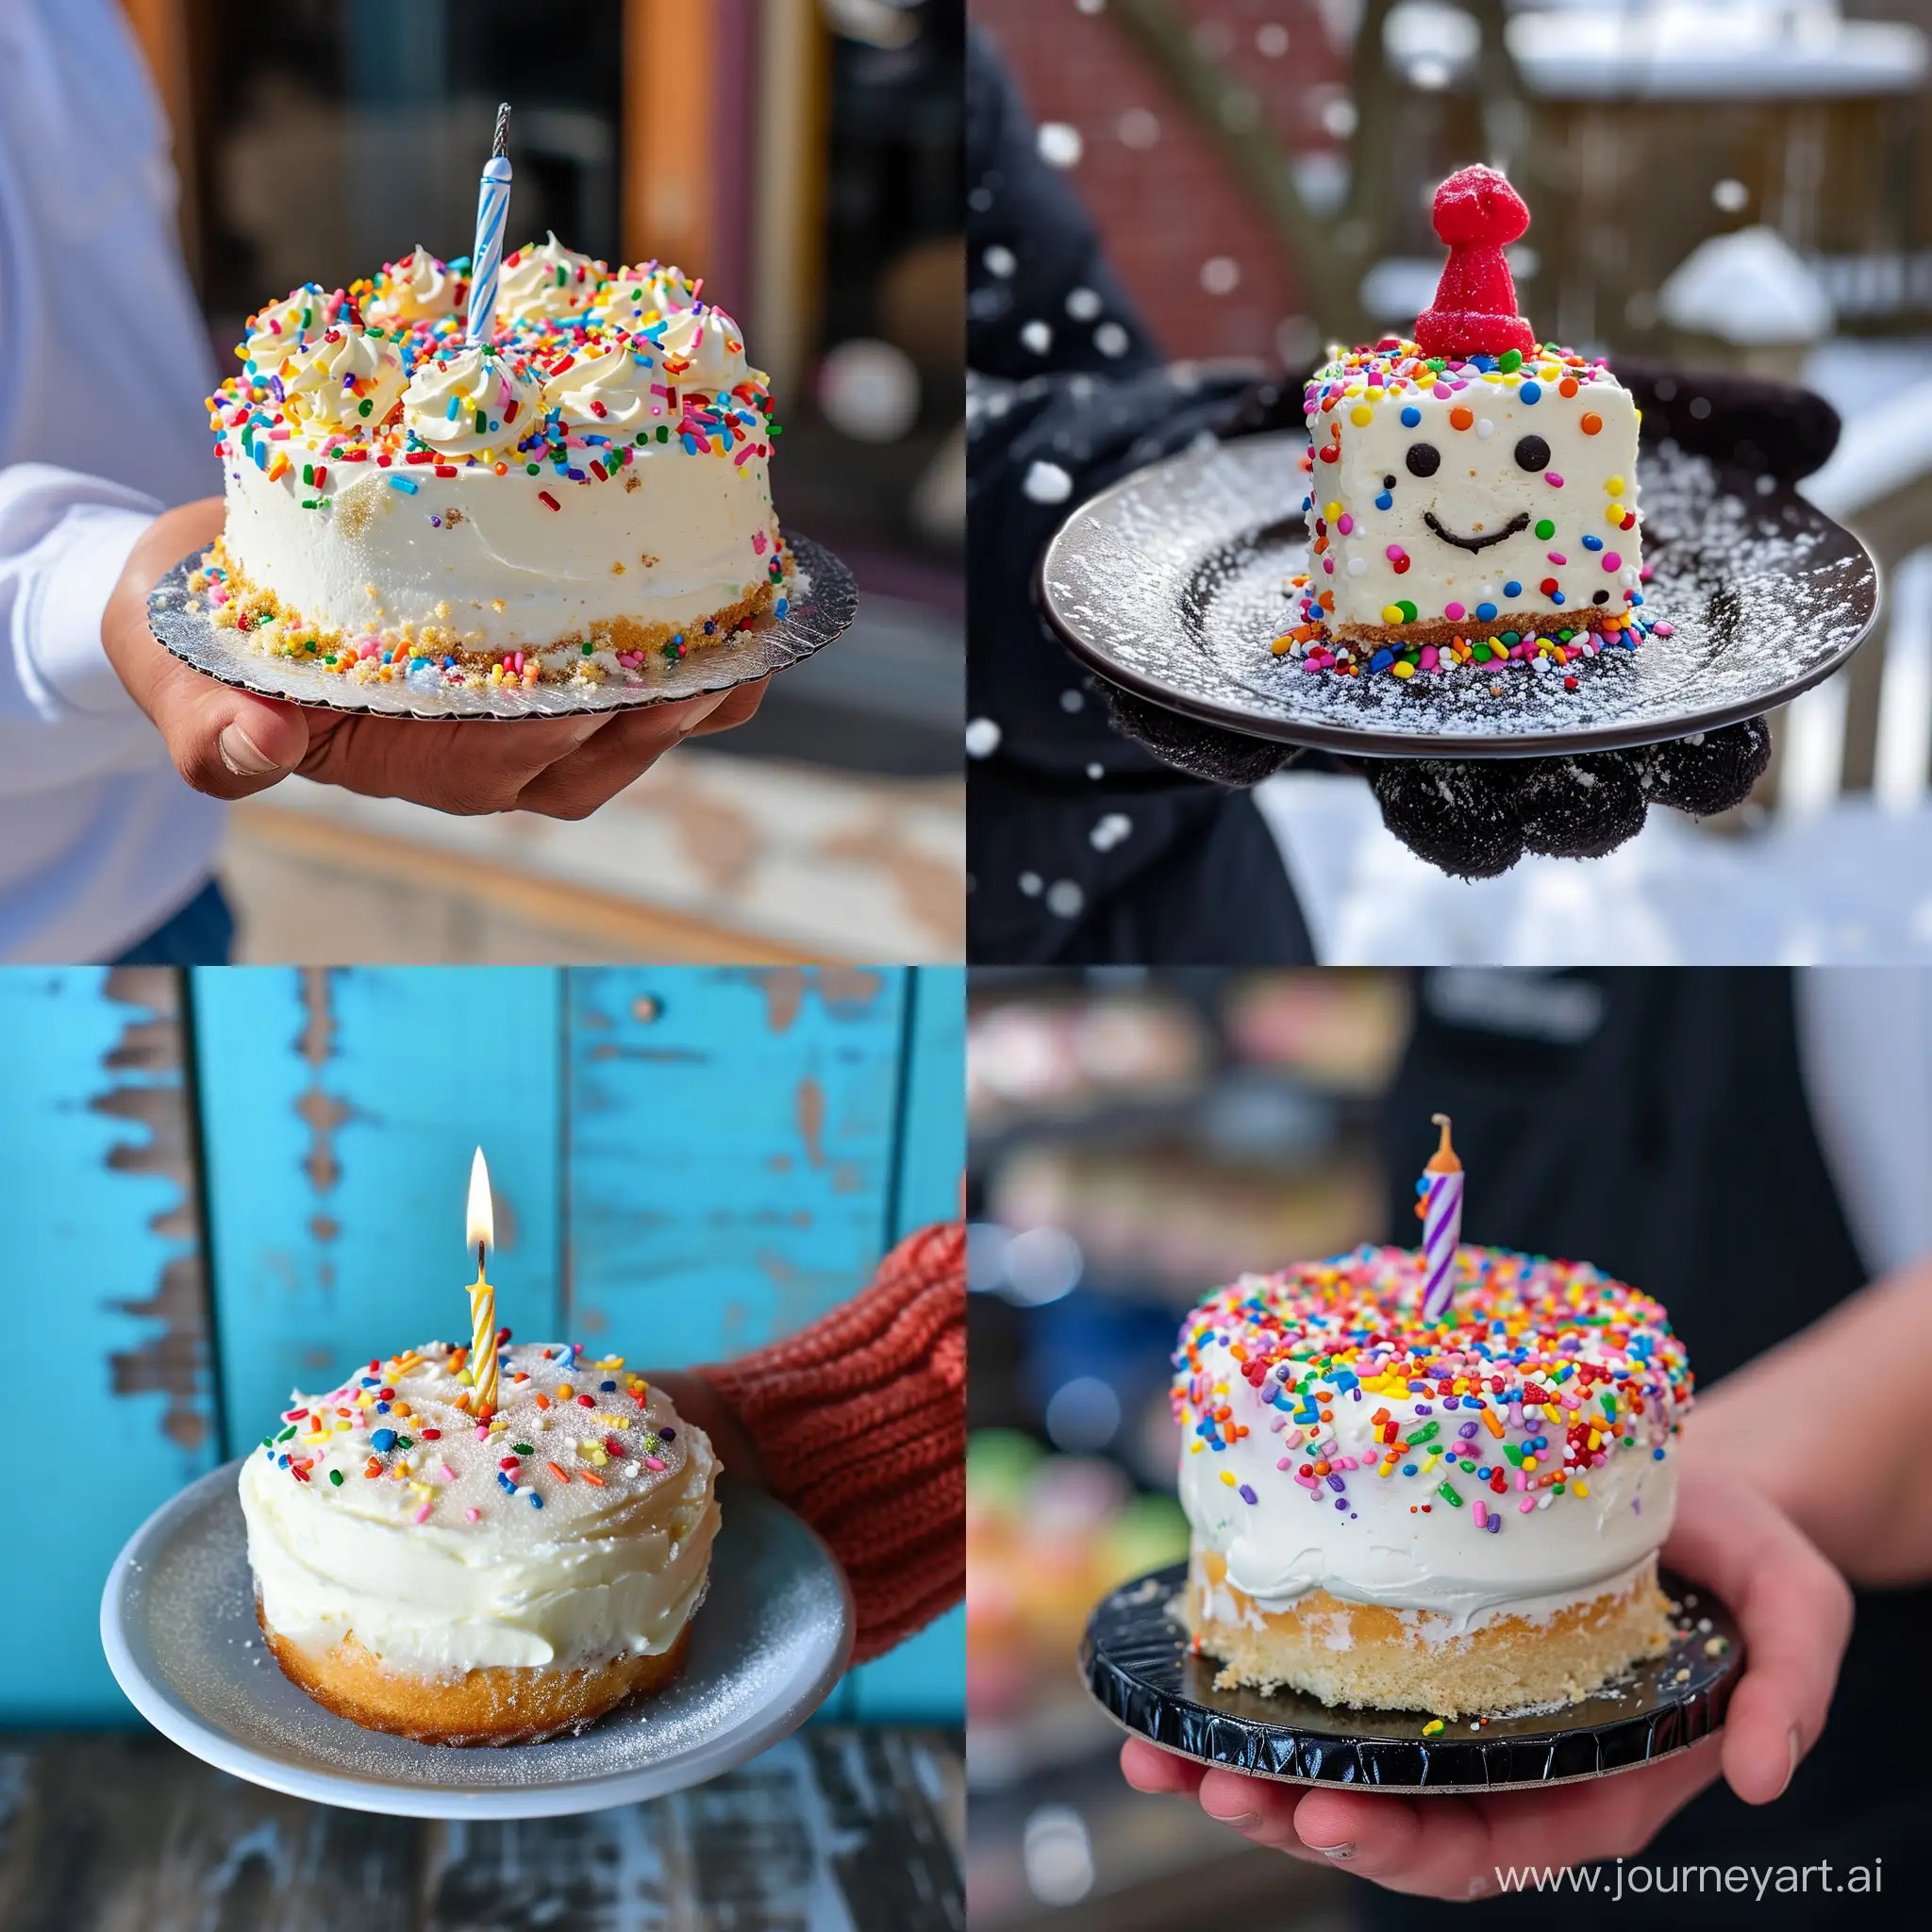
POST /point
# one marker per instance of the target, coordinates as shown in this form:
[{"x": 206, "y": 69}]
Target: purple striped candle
[{"x": 1440, "y": 1209}]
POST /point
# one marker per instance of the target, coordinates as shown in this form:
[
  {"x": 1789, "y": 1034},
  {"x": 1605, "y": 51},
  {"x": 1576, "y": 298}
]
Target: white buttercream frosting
[
  {"x": 1298, "y": 1483},
  {"x": 1543, "y": 485},
  {"x": 546, "y": 278},
  {"x": 606, "y": 388},
  {"x": 703, "y": 346},
  {"x": 420, "y": 287},
  {"x": 612, "y": 1563},
  {"x": 275, "y": 332},
  {"x": 471, "y": 398},
  {"x": 328, "y": 383},
  {"x": 640, "y": 294}
]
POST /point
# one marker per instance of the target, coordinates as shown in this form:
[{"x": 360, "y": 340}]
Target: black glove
[{"x": 1476, "y": 818}]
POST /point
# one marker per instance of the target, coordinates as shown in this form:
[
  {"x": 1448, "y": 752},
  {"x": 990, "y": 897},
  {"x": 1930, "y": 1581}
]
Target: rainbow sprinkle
[{"x": 1538, "y": 1372}]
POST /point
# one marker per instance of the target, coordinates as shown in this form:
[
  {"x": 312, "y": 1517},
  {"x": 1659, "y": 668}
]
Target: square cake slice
[{"x": 1484, "y": 505}]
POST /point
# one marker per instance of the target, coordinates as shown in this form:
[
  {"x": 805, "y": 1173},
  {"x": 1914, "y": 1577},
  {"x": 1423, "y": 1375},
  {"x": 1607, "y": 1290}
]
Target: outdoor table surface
[{"x": 834, "y": 1826}]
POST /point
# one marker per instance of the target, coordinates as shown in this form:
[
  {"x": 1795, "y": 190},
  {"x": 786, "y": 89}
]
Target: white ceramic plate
[{"x": 177, "y": 1622}]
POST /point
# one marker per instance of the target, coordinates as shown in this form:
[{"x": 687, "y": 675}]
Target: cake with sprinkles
[
  {"x": 480, "y": 1582},
  {"x": 1458, "y": 1514},
  {"x": 1471, "y": 496},
  {"x": 581, "y": 495}
]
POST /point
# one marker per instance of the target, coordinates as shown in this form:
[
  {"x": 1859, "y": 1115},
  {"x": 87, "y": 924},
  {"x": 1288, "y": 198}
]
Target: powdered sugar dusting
[{"x": 1174, "y": 582}]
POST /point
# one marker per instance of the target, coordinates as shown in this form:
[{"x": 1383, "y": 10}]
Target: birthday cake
[
  {"x": 580, "y": 495},
  {"x": 1458, "y": 1514},
  {"x": 466, "y": 1582},
  {"x": 1471, "y": 496}
]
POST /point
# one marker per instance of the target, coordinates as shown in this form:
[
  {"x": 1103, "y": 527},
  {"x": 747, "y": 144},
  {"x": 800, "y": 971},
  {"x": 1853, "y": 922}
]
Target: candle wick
[
  {"x": 499, "y": 144},
  {"x": 480, "y": 1260}
]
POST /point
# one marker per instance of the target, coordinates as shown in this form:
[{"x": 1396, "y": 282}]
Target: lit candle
[
  {"x": 492, "y": 207},
  {"x": 1440, "y": 1209},
  {"x": 482, "y": 1234}
]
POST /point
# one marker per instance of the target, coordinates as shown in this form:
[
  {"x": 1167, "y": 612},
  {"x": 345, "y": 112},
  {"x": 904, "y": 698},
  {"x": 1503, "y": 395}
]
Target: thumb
[{"x": 227, "y": 744}]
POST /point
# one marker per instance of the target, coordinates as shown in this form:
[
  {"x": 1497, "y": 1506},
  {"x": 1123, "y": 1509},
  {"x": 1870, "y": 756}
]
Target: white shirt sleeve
[{"x": 64, "y": 715}]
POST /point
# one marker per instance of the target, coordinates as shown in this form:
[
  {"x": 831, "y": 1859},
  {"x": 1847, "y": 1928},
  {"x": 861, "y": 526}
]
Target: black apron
[{"x": 1655, "y": 1123}]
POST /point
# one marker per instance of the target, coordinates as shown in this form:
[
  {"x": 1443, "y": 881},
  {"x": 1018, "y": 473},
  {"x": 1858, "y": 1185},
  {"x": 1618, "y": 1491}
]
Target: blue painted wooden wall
[{"x": 687, "y": 1162}]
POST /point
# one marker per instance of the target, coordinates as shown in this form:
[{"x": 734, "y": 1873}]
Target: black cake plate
[
  {"x": 822, "y": 601},
  {"x": 1136, "y": 1661},
  {"x": 1172, "y": 583}
]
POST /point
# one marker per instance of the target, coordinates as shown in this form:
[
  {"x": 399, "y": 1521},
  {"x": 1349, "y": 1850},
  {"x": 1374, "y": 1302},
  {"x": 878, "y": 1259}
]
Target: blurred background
[
  {"x": 804, "y": 155},
  {"x": 224, "y": 1183},
  {"x": 1739, "y": 184},
  {"x": 1134, "y": 1139}
]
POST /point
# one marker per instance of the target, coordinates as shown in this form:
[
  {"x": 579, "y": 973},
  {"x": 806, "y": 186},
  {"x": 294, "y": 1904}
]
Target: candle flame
[
  {"x": 1442, "y": 1161},
  {"x": 482, "y": 1221}
]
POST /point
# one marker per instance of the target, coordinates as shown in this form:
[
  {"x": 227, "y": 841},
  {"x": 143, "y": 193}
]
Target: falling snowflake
[
  {"x": 982, "y": 738},
  {"x": 1047, "y": 483}
]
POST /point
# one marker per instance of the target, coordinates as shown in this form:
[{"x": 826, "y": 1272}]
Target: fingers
[
  {"x": 1795, "y": 1611},
  {"x": 224, "y": 742},
  {"x": 456, "y": 766},
  {"x": 227, "y": 744},
  {"x": 630, "y": 744},
  {"x": 1452, "y": 1848},
  {"x": 1148, "y": 1768},
  {"x": 741, "y": 702}
]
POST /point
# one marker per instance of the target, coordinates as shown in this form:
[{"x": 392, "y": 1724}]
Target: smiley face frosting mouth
[{"x": 1519, "y": 521}]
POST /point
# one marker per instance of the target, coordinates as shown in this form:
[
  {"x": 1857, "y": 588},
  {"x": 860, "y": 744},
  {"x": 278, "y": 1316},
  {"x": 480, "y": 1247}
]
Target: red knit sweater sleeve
[{"x": 860, "y": 1420}]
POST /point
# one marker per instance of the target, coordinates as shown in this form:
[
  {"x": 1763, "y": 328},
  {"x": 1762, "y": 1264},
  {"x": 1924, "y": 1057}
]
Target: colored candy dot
[
  {"x": 1330, "y": 511},
  {"x": 1614, "y": 515},
  {"x": 335, "y": 1477},
  {"x": 1614, "y": 485},
  {"x": 1344, "y": 523},
  {"x": 1568, "y": 388},
  {"x": 1393, "y": 551},
  {"x": 1485, "y": 612},
  {"x": 383, "y": 1440},
  {"x": 1392, "y": 613},
  {"x": 1411, "y": 416},
  {"x": 1548, "y": 587},
  {"x": 1460, "y": 418},
  {"x": 1407, "y": 610},
  {"x": 1530, "y": 391},
  {"x": 1512, "y": 588},
  {"x": 1612, "y": 560},
  {"x": 1591, "y": 422},
  {"x": 1592, "y": 543},
  {"x": 1509, "y": 360},
  {"x": 1362, "y": 414},
  {"x": 1452, "y": 611},
  {"x": 1384, "y": 501},
  {"x": 1545, "y": 529}
]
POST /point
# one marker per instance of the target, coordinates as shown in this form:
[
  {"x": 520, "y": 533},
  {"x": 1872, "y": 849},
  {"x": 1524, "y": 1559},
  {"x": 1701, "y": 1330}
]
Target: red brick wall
[{"x": 1166, "y": 210}]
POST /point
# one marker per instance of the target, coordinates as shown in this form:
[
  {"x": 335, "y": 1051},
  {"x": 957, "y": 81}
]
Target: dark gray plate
[
  {"x": 1136, "y": 1662},
  {"x": 177, "y": 1622},
  {"x": 1171, "y": 583},
  {"x": 823, "y": 600}
]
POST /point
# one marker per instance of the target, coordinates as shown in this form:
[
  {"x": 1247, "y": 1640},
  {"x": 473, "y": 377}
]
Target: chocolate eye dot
[
  {"x": 1387, "y": 482},
  {"x": 1533, "y": 454},
  {"x": 1423, "y": 459}
]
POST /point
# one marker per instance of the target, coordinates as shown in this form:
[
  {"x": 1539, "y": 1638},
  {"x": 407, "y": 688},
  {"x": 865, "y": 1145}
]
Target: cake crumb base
[
  {"x": 498, "y": 1704},
  {"x": 1366, "y": 1654}
]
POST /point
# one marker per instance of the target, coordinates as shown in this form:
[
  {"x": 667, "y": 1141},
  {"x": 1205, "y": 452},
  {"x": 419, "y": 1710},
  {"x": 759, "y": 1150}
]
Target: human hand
[
  {"x": 1795, "y": 1612},
  {"x": 232, "y": 744}
]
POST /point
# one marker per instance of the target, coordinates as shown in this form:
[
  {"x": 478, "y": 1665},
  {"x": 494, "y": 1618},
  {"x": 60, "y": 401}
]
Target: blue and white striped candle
[
  {"x": 492, "y": 209},
  {"x": 1440, "y": 1209}
]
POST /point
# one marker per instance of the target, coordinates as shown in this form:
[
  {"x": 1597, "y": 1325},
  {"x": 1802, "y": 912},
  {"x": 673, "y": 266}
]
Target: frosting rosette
[
  {"x": 603, "y": 386},
  {"x": 636, "y": 296},
  {"x": 545, "y": 279},
  {"x": 420, "y": 287},
  {"x": 348, "y": 380},
  {"x": 471, "y": 398},
  {"x": 703, "y": 346},
  {"x": 272, "y": 333}
]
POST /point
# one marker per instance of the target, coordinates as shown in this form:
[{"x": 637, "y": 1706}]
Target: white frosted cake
[
  {"x": 1459, "y": 1515},
  {"x": 585, "y": 492},
  {"x": 467, "y": 1582},
  {"x": 1472, "y": 494}
]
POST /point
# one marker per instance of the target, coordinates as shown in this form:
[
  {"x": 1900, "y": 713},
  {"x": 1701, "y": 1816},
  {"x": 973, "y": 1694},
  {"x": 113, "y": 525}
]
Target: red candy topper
[{"x": 1477, "y": 214}]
